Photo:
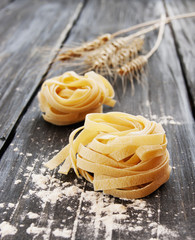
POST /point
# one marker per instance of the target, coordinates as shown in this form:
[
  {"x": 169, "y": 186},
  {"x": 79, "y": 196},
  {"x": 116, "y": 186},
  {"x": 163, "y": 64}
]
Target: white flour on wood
[
  {"x": 7, "y": 229},
  {"x": 96, "y": 212},
  {"x": 165, "y": 120}
]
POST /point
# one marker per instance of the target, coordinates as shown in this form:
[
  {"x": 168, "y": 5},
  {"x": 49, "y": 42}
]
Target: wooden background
[{"x": 32, "y": 34}]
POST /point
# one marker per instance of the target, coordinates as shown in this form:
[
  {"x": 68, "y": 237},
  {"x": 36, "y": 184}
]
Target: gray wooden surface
[{"x": 42, "y": 204}]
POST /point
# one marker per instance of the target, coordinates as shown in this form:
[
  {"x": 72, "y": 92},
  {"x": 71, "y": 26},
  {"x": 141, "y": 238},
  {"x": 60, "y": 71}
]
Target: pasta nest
[
  {"x": 124, "y": 155},
  {"x": 67, "y": 99}
]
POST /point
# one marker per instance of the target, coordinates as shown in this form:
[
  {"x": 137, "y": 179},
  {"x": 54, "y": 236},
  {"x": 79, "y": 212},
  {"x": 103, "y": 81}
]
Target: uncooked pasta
[
  {"x": 124, "y": 155},
  {"x": 67, "y": 99}
]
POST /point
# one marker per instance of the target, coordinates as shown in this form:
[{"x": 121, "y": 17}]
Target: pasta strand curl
[
  {"x": 67, "y": 99},
  {"x": 124, "y": 155}
]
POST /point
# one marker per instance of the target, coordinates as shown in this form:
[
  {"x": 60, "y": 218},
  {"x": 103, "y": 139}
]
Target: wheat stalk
[
  {"x": 95, "y": 44},
  {"x": 101, "y": 40},
  {"x": 152, "y": 22},
  {"x": 116, "y": 55},
  {"x": 102, "y": 58},
  {"x": 135, "y": 67}
]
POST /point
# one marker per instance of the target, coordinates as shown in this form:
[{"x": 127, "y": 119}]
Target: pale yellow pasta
[
  {"x": 124, "y": 155},
  {"x": 67, "y": 99}
]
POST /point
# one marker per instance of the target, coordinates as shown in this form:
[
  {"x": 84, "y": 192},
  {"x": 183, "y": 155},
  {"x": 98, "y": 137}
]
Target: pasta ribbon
[
  {"x": 124, "y": 155},
  {"x": 67, "y": 99}
]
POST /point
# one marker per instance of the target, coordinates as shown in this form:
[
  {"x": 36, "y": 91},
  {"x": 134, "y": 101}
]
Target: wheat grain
[
  {"x": 114, "y": 53},
  {"x": 101, "y": 57},
  {"x": 135, "y": 67},
  {"x": 86, "y": 47},
  {"x": 127, "y": 53}
]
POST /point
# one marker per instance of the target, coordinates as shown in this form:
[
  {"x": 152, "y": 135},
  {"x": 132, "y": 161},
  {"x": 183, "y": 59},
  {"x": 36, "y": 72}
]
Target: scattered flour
[
  {"x": 64, "y": 233},
  {"x": 138, "y": 204},
  {"x": 71, "y": 191},
  {"x": 35, "y": 230},
  {"x": 7, "y": 229},
  {"x": 147, "y": 103},
  {"x": 31, "y": 192},
  {"x": 56, "y": 151},
  {"x": 49, "y": 189},
  {"x": 153, "y": 224},
  {"x": 17, "y": 181},
  {"x": 164, "y": 231},
  {"x": 135, "y": 228},
  {"x": 32, "y": 215},
  {"x": 56, "y": 194},
  {"x": 153, "y": 117},
  {"x": 108, "y": 215},
  {"x": 40, "y": 180},
  {"x": 115, "y": 208},
  {"x": 11, "y": 205},
  {"x": 28, "y": 154},
  {"x": 104, "y": 212},
  {"x": 29, "y": 168},
  {"x": 69, "y": 208},
  {"x": 2, "y": 205},
  {"x": 44, "y": 232},
  {"x": 16, "y": 149},
  {"x": 165, "y": 120}
]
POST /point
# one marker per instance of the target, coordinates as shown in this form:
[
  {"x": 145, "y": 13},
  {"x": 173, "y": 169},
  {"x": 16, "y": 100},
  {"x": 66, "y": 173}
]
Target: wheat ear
[
  {"x": 95, "y": 44},
  {"x": 101, "y": 40},
  {"x": 135, "y": 67},
  {"x": 112, "y": 53},
  {"x": 86, "y": 47},
  {"x": 78, "y": 52},
  {"x": 126, "y": 53}
]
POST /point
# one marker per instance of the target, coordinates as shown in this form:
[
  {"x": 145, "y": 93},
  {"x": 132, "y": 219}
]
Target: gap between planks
[
  {"x": 189, "y": 94},
  {"x": 63, "y": 37}
]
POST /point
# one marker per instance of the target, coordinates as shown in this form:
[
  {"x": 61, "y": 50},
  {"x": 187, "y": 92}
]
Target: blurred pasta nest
[
  {"x": 67, "y": 99},
  {"x": 124, "y": 155}
]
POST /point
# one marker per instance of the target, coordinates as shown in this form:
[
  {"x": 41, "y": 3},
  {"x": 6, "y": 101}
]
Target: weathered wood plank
[
  {"x": 166, "y": 214},
  {"x": 30, "y": 186},
  {"x": 30, "y": 34},
  {"x": 185, "y": 40},
  {"x": 163, "y": 98},
  {"x": 4, "y": 3},
  {"x": 129, "y": 219},
  {"x": 177, "y": 204}
]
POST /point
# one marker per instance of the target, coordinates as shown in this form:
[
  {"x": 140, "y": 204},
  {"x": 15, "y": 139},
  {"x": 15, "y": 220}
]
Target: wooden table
[{"x": 36, "y": 203}]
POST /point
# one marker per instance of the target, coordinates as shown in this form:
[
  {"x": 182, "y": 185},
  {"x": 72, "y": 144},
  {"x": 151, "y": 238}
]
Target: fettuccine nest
[
  {"x": 68, "y": 98},
  {"x": 124, "y": 155}
]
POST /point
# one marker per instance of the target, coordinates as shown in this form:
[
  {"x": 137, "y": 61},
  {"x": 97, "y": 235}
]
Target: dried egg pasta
[
  {"x": 67, "y": 99},
  {"x": 124, "y": 155}
]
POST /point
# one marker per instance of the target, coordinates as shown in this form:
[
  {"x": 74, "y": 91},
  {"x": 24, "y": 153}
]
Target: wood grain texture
[
  {"x": 4, "y": 3},
  {"x": 28, "y": 154},
  {"x": 31, "y": 33},
  {"x": 168, "y": 213},
  {"x": 185, "y": 40}
]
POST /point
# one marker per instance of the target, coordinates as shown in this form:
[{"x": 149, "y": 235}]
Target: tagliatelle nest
[
  {"x": 68, "y": 98},
  {"x": 114, "y": 55},
  {"x": 121, "y": 154}
]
